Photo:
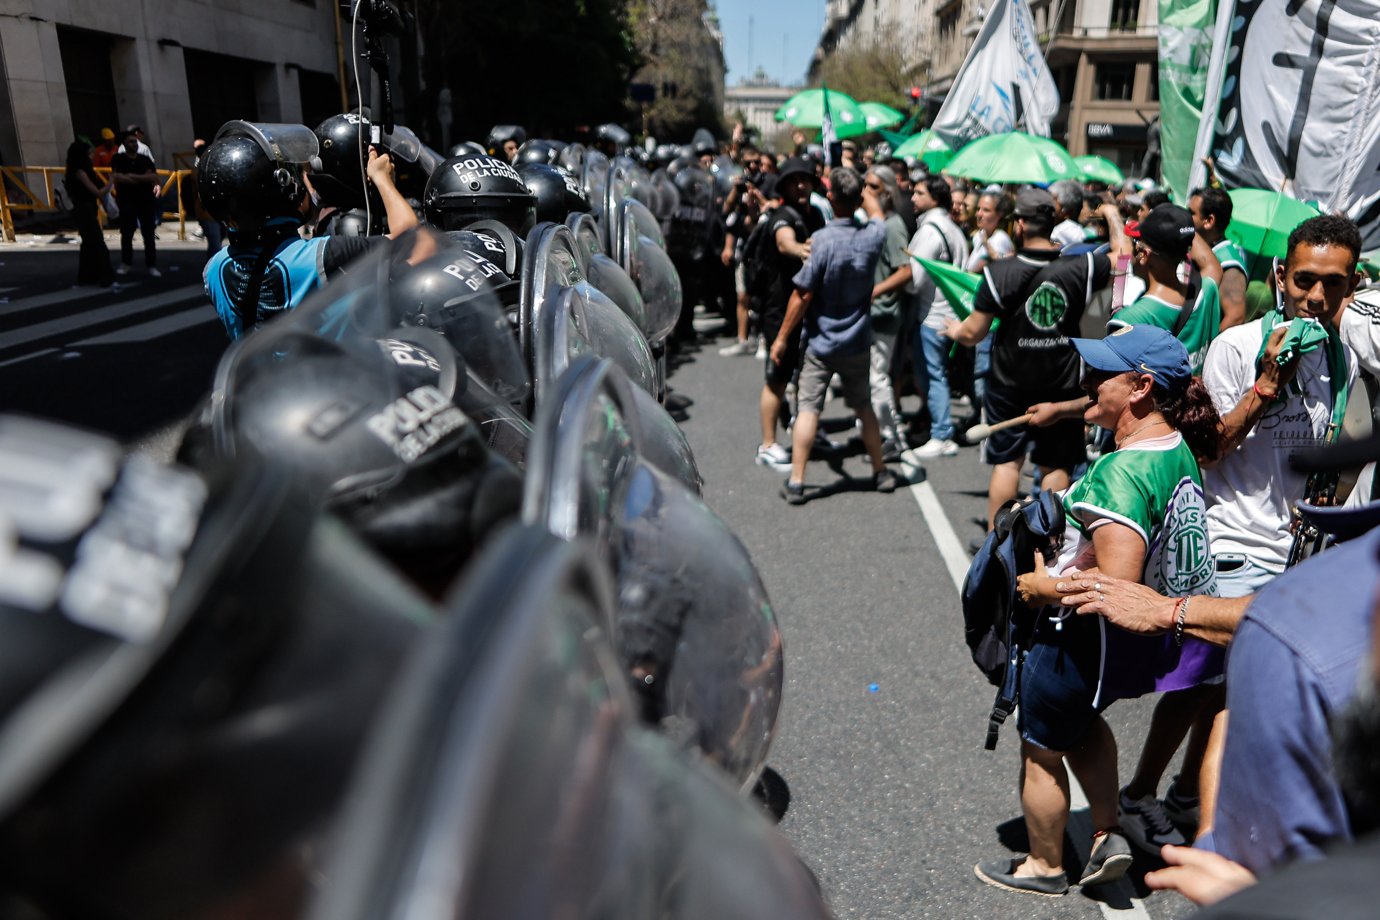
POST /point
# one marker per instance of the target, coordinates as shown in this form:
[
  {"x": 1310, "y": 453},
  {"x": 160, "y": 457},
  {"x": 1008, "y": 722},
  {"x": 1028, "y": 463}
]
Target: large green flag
[
  {"x": 959, "y": 287},
  {"x": 1185, "y": 32}
]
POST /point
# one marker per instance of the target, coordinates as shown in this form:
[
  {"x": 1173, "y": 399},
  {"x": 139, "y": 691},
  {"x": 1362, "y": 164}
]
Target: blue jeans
[
  {"x": 932, "y": 379},
  {"x": 982, "y": 368}
]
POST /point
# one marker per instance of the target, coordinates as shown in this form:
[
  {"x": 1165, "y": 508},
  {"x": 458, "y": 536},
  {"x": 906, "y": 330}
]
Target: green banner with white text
[{"x": 1185, "y": 40}]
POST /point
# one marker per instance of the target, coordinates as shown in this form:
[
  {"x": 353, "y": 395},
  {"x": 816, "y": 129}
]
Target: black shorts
[
  {"x": 780, "y": 374},
  {"x": 1054, "y": 447},
  {"x": 1059, "y": 683}
]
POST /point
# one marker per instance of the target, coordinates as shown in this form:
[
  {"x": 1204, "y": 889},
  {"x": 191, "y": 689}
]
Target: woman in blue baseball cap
[{"x": 1137, "y": 513}]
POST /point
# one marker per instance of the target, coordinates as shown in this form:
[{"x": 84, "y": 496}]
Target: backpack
[
  {"x": 759, "y": 257},
  {"x": 996, "y": 625}
]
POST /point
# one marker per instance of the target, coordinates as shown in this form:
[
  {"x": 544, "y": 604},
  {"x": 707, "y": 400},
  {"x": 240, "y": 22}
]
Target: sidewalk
[{"x": 64, "y": 240}]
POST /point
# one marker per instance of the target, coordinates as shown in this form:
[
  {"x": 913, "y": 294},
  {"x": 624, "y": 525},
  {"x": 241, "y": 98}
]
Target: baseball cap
[
  {"x": 1031, "y": 201},
  {"x": 1167, "y": 230},
  {"x": 1140, "y": 348}
]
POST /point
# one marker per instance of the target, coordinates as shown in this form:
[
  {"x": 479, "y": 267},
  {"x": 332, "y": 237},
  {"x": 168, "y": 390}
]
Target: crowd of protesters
[{"x": 1164, "y": 383}]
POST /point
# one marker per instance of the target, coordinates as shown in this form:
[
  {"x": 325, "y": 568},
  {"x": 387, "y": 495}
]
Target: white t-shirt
[
  {"x": 1252, "y": 491},
  {"x": 1360, "y": 329},
  {"x": 1068, "y": 233},
  {"x": 938, "y": 239},
  {"x": 978, "y": 258}
]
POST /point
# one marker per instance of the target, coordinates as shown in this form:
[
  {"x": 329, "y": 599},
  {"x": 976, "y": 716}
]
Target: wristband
[
  {"x": 1181, "y": 613},
  {"x": 1264, "y": 397}
]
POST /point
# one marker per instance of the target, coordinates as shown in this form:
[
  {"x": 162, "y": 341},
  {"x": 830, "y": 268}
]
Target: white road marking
[{"x": 1080, "y": 828}]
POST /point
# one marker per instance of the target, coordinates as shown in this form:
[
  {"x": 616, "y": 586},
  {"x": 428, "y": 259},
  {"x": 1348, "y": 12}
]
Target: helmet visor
[{"x": 283, "y": 143}]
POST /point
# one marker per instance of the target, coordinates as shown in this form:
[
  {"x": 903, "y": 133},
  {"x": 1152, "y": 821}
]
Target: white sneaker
[
  {"x": 737, "y": 349},
  {"x": 155, "y": 273},
  {"x": 936, "y": 448},
  {"x": 122, "y": 270},
  {"x": 1145, "y": 824},
  {"x": 775, "y": 457},
  {"x": 761, "y": 349}
]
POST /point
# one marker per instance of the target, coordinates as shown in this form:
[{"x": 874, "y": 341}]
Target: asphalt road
[
  {"x": 893, "y": 797},
  {"x": 883, "y": 718}
]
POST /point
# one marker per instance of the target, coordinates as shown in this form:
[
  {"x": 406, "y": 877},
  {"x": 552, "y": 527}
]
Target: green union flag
[
  {"x": 1185, "y": 40},
  {"x": 959, "y": 287}
]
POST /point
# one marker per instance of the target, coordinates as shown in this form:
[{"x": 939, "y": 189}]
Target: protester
[
  {"x": 136, "y": 182},
  {"x": 890, "y": 299},
  {"x": 1161, "y": 242},
  {"x": 84, "y": 189},
  {"x": 1132, "y": 502},
  {"x": 831, "y": 297},
  {"x": 742, "y": 208},
  {"x": 1040, "y": 298},
  {"x": 211, "y": 229},
  {"x": 1068, "y": 208},
  {"x": 1211, "y": 209},
  {"x": 790, "y": 227},
  {"x": 937, "y": 239}
]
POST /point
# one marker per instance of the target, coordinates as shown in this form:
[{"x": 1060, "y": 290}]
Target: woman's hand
[
  {"x": 1038, "y": 588},
  {"x": 1128, "y": 604}
]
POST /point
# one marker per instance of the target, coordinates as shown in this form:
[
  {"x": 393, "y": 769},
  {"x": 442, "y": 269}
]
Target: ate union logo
[{"x": 1056, "y": 163}]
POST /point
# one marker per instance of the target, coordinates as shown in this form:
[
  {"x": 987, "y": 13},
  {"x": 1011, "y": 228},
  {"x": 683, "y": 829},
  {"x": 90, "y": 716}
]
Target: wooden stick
[{"x": 979, "y": 432}]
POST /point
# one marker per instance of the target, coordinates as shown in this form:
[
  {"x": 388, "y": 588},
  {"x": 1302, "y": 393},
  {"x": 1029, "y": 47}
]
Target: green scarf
[{"x": 1306, "y": 335}]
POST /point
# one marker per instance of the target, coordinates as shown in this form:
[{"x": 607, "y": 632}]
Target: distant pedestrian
[
  {"x": 136, "y": 179},
  {"x": 100, "y": 158},
  {"x": 212, "y": 229},
  {"x": 84, "y": 190}
]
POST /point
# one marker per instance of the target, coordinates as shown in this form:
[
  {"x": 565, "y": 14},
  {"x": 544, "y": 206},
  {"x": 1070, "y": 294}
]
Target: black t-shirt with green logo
[{"x": 1040, "y": 297}]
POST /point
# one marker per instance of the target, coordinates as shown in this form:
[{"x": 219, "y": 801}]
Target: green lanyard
[{"x": 1336, "y": 371}]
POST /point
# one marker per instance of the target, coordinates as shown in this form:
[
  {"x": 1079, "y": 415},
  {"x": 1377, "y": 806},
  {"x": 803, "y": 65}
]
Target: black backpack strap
[{"x": 1190, "y": 303}]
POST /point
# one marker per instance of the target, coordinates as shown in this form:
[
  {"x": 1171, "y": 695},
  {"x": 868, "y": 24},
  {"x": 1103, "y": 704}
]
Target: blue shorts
[
  {"x": 1059, "y": 682},
  {"x": 1060, "y": 446}
]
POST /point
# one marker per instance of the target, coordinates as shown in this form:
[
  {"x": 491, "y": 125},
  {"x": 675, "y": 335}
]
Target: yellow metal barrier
[{"x": 19, "y": 193}]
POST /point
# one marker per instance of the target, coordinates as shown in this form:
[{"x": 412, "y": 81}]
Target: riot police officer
[{"x": 254, "y": 178}]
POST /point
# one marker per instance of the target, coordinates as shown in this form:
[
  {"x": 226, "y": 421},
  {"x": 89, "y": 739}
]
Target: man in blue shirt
[{"x": 833, "y": 297}]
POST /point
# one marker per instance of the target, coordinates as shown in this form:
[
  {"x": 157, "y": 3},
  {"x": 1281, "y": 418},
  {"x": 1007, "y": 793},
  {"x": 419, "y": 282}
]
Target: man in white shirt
[
  {"x": 1270, "y": 410},
  {"x": 938, "y": 239},
  {"x": 1068, "y": 206}
]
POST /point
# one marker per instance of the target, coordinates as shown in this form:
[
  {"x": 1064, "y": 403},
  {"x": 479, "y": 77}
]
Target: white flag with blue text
[{"x": 1004, "y": 83}]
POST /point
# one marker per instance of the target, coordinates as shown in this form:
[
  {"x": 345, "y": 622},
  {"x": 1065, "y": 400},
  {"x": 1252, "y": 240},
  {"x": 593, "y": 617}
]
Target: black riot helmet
[
  {"x": 468, "y": 148},
  {"x": 344, "y": 141},
  {"x": 558, "y": 193},
  {"x": 251, "y": 173},
  {"x": 188, "y": 665},
  {"x": 538, "y": 151},
  {"x": 465, "y": 189},
  {"x": 501, "y": 135}
]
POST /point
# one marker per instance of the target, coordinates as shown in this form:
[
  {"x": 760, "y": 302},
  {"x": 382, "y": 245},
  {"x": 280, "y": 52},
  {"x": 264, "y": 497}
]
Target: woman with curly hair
[{"x": 1137, "y": 514}]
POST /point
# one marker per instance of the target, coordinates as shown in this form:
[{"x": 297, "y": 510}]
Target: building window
[
  {"x": 1125, "y": 15},
  {"x": 1115, "y": 81}
]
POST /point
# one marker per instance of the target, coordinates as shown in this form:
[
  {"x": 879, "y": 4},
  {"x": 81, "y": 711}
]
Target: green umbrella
[
  {"x": 1261, "y": 221},
  {"x": 927, "y": 147},
  {"x": 958, "y": 287},
  {"x": 1099, "y": 169},
  {"x": 879, "y": 115},
  {"x": 1013, "y": 157},
  {"x": 806, "y": 110}
]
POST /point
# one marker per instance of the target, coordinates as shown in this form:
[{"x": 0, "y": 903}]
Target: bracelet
[
  {"x": 1181, "y": 611},
  {"x": 1264, "y": 397}
]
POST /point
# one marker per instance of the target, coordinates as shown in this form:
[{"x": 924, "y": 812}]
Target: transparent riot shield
[
  {"x": 563, "y": 315},
  {"x": 507, "y": 776},
  {"x": 696, "y": 631}
]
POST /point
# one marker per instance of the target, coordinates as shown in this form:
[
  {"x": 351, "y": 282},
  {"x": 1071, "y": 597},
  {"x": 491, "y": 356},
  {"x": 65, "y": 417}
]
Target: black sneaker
[
  {"x": 1109, "y": 859},
  {"x": 885, "y": 480},
  {"x": 1001, "y": 874},
  {"x": 793, "y": 492}
]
